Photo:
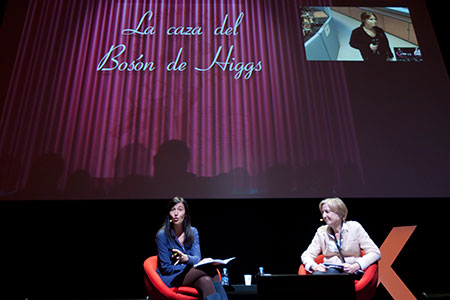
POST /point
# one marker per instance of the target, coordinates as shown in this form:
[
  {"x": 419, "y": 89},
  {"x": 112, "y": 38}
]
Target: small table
[{"x": 241, "y": 291}]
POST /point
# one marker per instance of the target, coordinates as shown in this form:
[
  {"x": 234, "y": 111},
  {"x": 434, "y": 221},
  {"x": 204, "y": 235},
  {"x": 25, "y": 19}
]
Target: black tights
[{"x": 202, "y": 280}]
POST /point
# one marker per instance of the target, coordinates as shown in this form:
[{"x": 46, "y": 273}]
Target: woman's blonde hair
[{"x": 336, "y": 205}]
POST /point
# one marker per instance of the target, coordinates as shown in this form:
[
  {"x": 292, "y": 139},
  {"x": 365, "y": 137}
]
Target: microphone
[{"x": 321, "y": 220}]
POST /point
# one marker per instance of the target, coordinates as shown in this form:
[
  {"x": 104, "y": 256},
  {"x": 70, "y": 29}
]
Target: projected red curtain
[{"x": 104, "y": 84}]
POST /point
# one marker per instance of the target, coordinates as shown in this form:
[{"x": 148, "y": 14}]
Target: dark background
[{"x": 437, "y": 15}]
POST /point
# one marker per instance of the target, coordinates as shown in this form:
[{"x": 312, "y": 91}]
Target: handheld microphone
[
  {"x": 321, "y": 220},
  {"x": 376, "y": 41}
]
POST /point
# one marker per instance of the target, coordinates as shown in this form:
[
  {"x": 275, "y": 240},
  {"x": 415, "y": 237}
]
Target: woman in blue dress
[{"x": 179, "y": 250}]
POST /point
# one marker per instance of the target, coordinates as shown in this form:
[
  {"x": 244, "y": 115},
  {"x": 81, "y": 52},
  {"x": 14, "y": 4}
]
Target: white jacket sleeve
[
  {"x": 372, "y": 252},
  {"x": 313, "y": 250}
]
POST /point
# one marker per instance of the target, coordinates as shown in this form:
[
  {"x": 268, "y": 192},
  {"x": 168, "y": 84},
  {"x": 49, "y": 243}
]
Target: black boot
[{"x": 220, "y": 290}]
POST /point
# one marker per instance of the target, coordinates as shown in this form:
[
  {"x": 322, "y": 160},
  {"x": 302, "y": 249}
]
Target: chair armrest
[
  {"x": 370, "y": 277},
  {"x": 155, "y": 279}
]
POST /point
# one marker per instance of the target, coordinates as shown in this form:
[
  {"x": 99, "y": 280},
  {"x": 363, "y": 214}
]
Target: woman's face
[
  {"x": 177, "y": 214},
  {"x": 329, "y": 217},
  {"x": 370, "y": 22}
]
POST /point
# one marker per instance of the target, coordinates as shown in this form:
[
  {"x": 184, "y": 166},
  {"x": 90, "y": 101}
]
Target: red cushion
[{"x": 187, "y": 290}]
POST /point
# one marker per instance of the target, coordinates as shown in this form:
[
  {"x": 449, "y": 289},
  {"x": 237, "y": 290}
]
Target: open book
[
  {"x": 214, "y": 262},
  {"x": 340, "y": 267}
]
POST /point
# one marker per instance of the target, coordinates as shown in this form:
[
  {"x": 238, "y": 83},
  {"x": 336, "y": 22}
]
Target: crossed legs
[{"x": 202, "y": 280}]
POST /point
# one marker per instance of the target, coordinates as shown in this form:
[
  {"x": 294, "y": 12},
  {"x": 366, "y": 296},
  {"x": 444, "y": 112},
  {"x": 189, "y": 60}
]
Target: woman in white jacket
[{"x": 340, "y": 242}]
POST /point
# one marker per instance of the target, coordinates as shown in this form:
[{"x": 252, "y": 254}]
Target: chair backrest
[
  {"x": 158, "y": 290},
  {"x": 156, "y": 284},
  {"x": 153, "y": 262},
  {"x": 150, "y": 266},
  {"x": 319, "y": 258}
]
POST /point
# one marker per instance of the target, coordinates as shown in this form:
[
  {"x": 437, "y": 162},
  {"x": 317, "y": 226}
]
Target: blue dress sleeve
[
  {"x": 195, "y": 254},
  {"x": 166, "y": 266}
]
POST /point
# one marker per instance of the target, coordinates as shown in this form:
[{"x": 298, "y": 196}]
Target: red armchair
[
  {"x": 364, "y": 287},
  {"x": 158, "y": 290}
]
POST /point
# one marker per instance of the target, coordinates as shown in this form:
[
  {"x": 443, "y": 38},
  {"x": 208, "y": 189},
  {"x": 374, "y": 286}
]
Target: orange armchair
[
  {"x": 158, "y": 290},
  {"x": 364, "y": 287}
]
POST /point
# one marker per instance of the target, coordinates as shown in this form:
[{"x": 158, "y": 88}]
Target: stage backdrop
[{"x": 147, "y": 99}]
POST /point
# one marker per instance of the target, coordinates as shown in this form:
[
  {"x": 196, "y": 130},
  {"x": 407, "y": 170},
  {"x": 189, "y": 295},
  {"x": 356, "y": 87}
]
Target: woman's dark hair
[
  {"x": 167, "y": 226},
  {"x": 366, "y": 15}
]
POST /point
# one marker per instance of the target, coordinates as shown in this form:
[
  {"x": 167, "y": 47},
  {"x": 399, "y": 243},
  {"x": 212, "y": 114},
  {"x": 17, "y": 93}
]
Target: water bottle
[
  {"x": 261, "y": 271},
  {"x": 225, "y": 280}
]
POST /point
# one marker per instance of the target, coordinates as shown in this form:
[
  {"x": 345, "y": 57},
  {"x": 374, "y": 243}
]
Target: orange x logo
[{"x": 390, "y": 249}]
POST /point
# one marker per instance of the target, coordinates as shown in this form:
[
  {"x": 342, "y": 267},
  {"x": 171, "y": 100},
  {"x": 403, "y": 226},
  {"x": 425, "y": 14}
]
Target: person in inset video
[{"x": 370, "y": 40}]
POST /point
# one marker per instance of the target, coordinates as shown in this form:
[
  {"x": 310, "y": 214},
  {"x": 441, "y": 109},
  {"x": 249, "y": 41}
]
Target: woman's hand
[
  {"x": 351, "y": 268},
  {"x": 319, "y": 268},
  {"x": 179, "y": 256},
  {"x": 373, "y": 47}
]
